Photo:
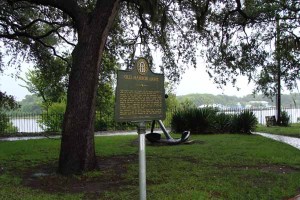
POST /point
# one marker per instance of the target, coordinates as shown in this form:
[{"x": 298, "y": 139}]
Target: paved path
[
  {"x": 97, "y": 134},
  {"x": 27, "y": 138},
  {"x": 295, "y": 142}
]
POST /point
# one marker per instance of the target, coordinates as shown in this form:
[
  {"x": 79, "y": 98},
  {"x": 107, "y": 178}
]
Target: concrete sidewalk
[
  {"x": 97, "y": 134},
  {"x": 295, "y": 142}
]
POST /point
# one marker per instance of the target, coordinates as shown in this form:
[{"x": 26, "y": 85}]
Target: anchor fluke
[{"x": 156, "y": 137}]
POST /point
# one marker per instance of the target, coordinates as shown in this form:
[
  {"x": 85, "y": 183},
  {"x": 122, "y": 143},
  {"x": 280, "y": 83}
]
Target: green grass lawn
[
  {"x": 213, "y": 167},
  {"x": 293, "y": 130}
]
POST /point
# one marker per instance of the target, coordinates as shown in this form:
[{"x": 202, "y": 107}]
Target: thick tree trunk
[{"x": 77, "y": 152}]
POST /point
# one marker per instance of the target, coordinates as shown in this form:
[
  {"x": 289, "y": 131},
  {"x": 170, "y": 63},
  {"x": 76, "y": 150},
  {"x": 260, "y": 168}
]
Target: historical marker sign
[{"x": 140, "y": 94}]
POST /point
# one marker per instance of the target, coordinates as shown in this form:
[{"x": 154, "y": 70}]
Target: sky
[
  {"x": 193, "y": 81},
  {"x": 12, "y": 86},
  {"x": 198, "y": 81}
]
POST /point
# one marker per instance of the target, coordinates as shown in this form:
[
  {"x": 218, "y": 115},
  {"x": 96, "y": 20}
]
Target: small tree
[
  {"x": 6, "y": 126},
  {"x": 52, "y": 120},
  {"x": 48, "y": 80},
  {"x": 7, "y": 102}
]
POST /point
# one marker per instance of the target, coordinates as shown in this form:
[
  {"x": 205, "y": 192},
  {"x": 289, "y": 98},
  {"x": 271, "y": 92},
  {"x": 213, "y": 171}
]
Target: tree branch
[
  {"x": 70, "y": 7},
  {"x": 64, "y": 39},
  {"x": 35, "y": 38},
  {"x": 36, "y": 21},
  {"x": 54, "y": 51}
]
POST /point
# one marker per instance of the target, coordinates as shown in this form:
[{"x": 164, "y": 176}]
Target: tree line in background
[
  {"x": 34, "y": 104},
  {"x": 287, "y": 100},
  {"x": 52, "y": 112}
]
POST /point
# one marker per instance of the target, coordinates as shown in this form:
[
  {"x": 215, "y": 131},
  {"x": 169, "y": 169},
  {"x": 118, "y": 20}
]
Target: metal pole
[
  {"x": 142, "y": 160},
  {"x": 277, "y": 49}
]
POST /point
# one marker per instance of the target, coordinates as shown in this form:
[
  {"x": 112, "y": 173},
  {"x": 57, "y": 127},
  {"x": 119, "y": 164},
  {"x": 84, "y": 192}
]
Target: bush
[
  {"x": 4, "y": 120},
  {"x": 6, "y": 126},
  {"x": 125, "y": 126},
  {"x": 53, "y": 119},
  {"x": 51, "y": 122},
  {"x": 223, "y": 123},
  {"x": 284, "y": 119},
  {"x": 208, "y": 120},
  {"x": 100, "y": 125},
  {"x": 105, "y": 122},
  {"x": 244, "y": 122},
  {"x": 179, "y": 122},
  {"x": 194, "y": 120}
]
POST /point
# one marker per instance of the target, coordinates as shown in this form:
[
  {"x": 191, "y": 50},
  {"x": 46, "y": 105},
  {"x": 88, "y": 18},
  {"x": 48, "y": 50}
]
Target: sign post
[
  {"x": 140, "y": 97},
  {"x": 142, "y": 160}
]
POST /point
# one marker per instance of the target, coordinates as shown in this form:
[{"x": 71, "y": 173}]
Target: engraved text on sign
[{"x": 139, "y": 94}]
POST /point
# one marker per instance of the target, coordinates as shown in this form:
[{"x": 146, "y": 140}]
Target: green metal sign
[{"x": 140, "y": 94}]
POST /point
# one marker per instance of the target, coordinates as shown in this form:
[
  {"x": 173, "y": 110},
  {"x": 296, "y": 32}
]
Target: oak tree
[{"x": 85, "y": 29}]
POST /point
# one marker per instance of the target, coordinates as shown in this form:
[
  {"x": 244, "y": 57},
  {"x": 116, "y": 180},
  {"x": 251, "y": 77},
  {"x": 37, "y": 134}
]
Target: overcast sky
[
  {"x": 198, "y": 81},
  {"x": 193, "y": 81},
  {"x": 11, "y": 85}
]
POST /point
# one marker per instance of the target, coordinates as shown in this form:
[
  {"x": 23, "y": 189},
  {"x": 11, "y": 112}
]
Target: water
[
  {"x": 295, "y": 142},
  {"x": 261, "y": 114},
  {"x": 26, "y": 125},
  {"x": 30, "y": 125}
]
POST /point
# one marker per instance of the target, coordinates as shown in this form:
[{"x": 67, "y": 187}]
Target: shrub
[
  {"x": 102, "y": 122},
  {"x": 244, "y": 122},
  {"x": 235, "y": 124},
  {"x": 100, "y": 125},
  {"x": 179, "y": 122},
  {"x": 124, "y": 126},
  {"x": 208, "y": 120},
  {"x": 223, "y": 123},
  {"x": 52, "y": 120},
  {"x": 194, "y": 120},
  {"x": 4, "y": 120},
  {"x": 11, "y": 128},
  {"x": 105, "y": 121},
  {"x": 5, "y": 125},
  {"x": 284, "y": 119}
]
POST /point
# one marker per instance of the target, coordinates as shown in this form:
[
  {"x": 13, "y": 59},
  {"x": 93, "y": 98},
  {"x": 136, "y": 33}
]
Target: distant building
[
  {"x": 239, "y": 105},
  {"x": 220, "y": 106},
  {"x": 257, "y": 104}
]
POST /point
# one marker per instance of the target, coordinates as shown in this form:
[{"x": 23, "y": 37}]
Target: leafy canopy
[
  {"x": 249, "y": 39},
  {"x": 236, "y": 37}
]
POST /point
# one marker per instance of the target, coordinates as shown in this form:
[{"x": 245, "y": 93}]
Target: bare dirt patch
[
  {"x": 158, "y": 144},
  {"x": 108, "y": 177},
  {"x": 278, "y": 169},
  {"x": 1, "y": 170}
]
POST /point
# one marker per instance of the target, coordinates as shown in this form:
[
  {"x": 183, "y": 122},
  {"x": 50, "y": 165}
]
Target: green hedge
[
  {"x": 5, "y": 125},
  {"x": 210, "y": 120}
]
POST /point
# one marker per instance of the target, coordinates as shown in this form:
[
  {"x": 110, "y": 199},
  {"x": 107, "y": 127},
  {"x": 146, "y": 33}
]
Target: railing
[
  {"x": 261, "y": 113},
  {"x": 22, "y": 123},
  {"x": 37, "y": 123}
]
